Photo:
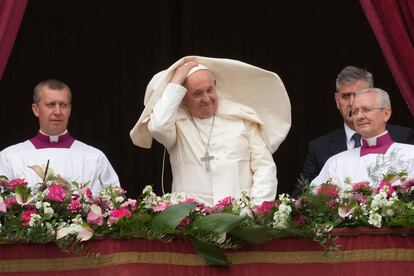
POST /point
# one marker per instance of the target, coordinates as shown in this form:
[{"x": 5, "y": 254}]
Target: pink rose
[
  {"x": 118, "y": 213},
  {"x": 328, "y": 189},
  {"x": 26, "y": 217},
  {"x": 56, "y": 193},
  {"x": 361, "y": 187},
  {"x": 14, "y": 183},
  {"x": 75, "y": 206},
  {"x": 10, "y": 201},
  {"x": 387, "y": 184},
  {"x": 264, "y": 208},
  {"x": 95, "y": 215}
]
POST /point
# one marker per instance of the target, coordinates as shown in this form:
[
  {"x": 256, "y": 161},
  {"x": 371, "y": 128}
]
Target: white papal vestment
[{"x": 242, "y": 161}]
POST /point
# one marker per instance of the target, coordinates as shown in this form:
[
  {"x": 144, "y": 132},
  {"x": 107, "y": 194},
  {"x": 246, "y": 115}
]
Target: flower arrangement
[{"x": 69, "y": 214}]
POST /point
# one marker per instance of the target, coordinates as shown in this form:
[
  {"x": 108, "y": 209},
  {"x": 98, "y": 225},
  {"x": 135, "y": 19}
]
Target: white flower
[
  {"x": 375, "y": 219},
  {"x": 282, "y": 215},
  {"x": 35, "y": 218},
  {"x": 119, "y": 199},
  {"x": 222, "y": 238},
  {"x": 246, "y": 212},
  {"x": 38, "y": 205}
]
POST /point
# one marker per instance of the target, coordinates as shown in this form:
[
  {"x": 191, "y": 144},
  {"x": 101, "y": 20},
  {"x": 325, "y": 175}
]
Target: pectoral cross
[{"x": 206, "y": 159}]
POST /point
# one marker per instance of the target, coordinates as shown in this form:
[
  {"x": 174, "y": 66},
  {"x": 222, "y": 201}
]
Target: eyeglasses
[{"x": 364, "y": 110}]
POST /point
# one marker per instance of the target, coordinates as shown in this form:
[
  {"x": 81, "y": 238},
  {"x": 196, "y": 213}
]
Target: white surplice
[
  {"x": 368, "y": 168},
  {"x": 80, "y": 163}
]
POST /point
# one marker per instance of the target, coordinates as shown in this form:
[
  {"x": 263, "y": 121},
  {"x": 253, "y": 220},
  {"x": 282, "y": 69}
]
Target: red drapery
[
  {"x": 11, "y": 13},
  {"x": 393, "y": 24}
]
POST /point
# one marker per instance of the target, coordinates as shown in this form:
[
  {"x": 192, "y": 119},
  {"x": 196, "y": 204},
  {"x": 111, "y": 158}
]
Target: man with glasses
[
  {"x": 349, "y": 80},
  {"x": 378, "y": 155}
]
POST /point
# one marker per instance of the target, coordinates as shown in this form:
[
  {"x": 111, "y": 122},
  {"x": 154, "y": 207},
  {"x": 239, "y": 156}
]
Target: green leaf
[
  {"x": 218, "y": 223},
  {"x": 211, "y": 254},
  {"x": 251, "y": 233},
  {"x": 168, "y": 220}
]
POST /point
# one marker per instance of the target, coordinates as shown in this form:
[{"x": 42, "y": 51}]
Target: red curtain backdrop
[
  {"x": 393, "y": 24},
  {"x": 11, "y": 14}
]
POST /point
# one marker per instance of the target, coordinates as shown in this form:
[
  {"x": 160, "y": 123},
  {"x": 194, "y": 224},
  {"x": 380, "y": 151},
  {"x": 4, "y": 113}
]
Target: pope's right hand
[{"x": 180, "y": 74}]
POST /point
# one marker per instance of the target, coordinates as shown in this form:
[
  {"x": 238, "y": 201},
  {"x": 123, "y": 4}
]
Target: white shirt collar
[
  {"x": 349, "y": 132},
  {"x": 54, "y": 138},
  {"x": 372, "y": 141}
]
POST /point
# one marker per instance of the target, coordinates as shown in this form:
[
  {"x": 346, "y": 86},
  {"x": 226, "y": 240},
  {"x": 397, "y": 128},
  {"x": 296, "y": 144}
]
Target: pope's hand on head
[{"x": 180, "y": 74}]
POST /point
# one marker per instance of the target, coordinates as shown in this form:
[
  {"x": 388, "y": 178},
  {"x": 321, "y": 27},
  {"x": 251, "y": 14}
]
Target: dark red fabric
[
  {"x": 11, "y": 14},
  {"x": 393, "y": 24},
  {"x": 366, "y": 240}
]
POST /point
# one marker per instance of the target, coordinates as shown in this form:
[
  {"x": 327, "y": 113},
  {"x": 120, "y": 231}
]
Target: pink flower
[
  {"x": 387, "y": 184},
  {"x": 95, "y": 215},
  {"x": 332, "y": 203},
  {"x": 361, "y": 187},
  {"x": 3, "y": 207},
  {"x": 161, "y": 207},
  {"x": 26, "y": 217},
  {"x": 264, "y": 208},
  {"x": 190, "y": 200},
  {"x": 224, "y": 203},
  {"x": 359, "y": 198},
  {"x": 328, "y": 189},
  {"x": 185, "y": 221},
  {"x": 75, "y": 206},
  {"x": 10, "y": 201},
  {"x": 56, "y": 193},
  {"x": 406, "y": 185},
  {"x": 14, "y": 183},
  {"x": 129, "y": 203},
  {"x": 89, "y": 193},
  {"x": 118, "y": 213}
]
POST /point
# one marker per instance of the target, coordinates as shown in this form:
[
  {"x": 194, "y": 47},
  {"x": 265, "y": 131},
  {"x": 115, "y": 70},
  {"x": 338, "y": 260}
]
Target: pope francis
[{"x": 220, "y": 121}]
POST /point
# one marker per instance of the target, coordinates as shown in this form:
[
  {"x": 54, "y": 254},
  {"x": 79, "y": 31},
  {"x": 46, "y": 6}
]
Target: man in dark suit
[{"x": 349, "y": 80}]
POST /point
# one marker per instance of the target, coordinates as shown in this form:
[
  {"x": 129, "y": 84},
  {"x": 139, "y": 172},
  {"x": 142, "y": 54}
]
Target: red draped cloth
[
  {"x": 393, "y": 24},
  {"x": 362, "y": 253},
  {"x": 11, "y": 14}
]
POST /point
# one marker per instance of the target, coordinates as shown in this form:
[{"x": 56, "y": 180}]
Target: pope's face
[
  {"x": 53, "y": 110},
  {"x": 201, "y": 98},
  {"x": 368, "y": 116},
  {"x": 344, "y": 97}
]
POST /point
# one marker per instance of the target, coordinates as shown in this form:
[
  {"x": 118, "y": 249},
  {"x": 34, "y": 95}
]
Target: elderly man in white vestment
[
  {"x": 379, "y": 154},
  {"x": 67, "y": 157},
  {"x": 219, "y": 146}
]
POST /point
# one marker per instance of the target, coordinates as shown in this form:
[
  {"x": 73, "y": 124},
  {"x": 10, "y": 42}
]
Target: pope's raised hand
[{"x": 180, "y": 74}]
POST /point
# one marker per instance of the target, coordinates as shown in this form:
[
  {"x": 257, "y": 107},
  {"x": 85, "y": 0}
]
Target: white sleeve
[
  {"x": 263, "y": 167},
  {"x": 328, "y": 171},
  {"x": 164, "y": 115},
  {"x": 4, "y": 165},
  {"x": 107, "y": 173}
]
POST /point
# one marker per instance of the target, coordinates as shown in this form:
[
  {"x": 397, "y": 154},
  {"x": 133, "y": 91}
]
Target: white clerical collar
[
  {"x": 372, "y": 141},
  {"x": 349, "y": 132},
  {"x": 54, "y": 138}
]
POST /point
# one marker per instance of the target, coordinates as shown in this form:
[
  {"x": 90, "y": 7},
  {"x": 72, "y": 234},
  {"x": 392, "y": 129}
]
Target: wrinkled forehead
[{"x": 365, "y": 99}]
